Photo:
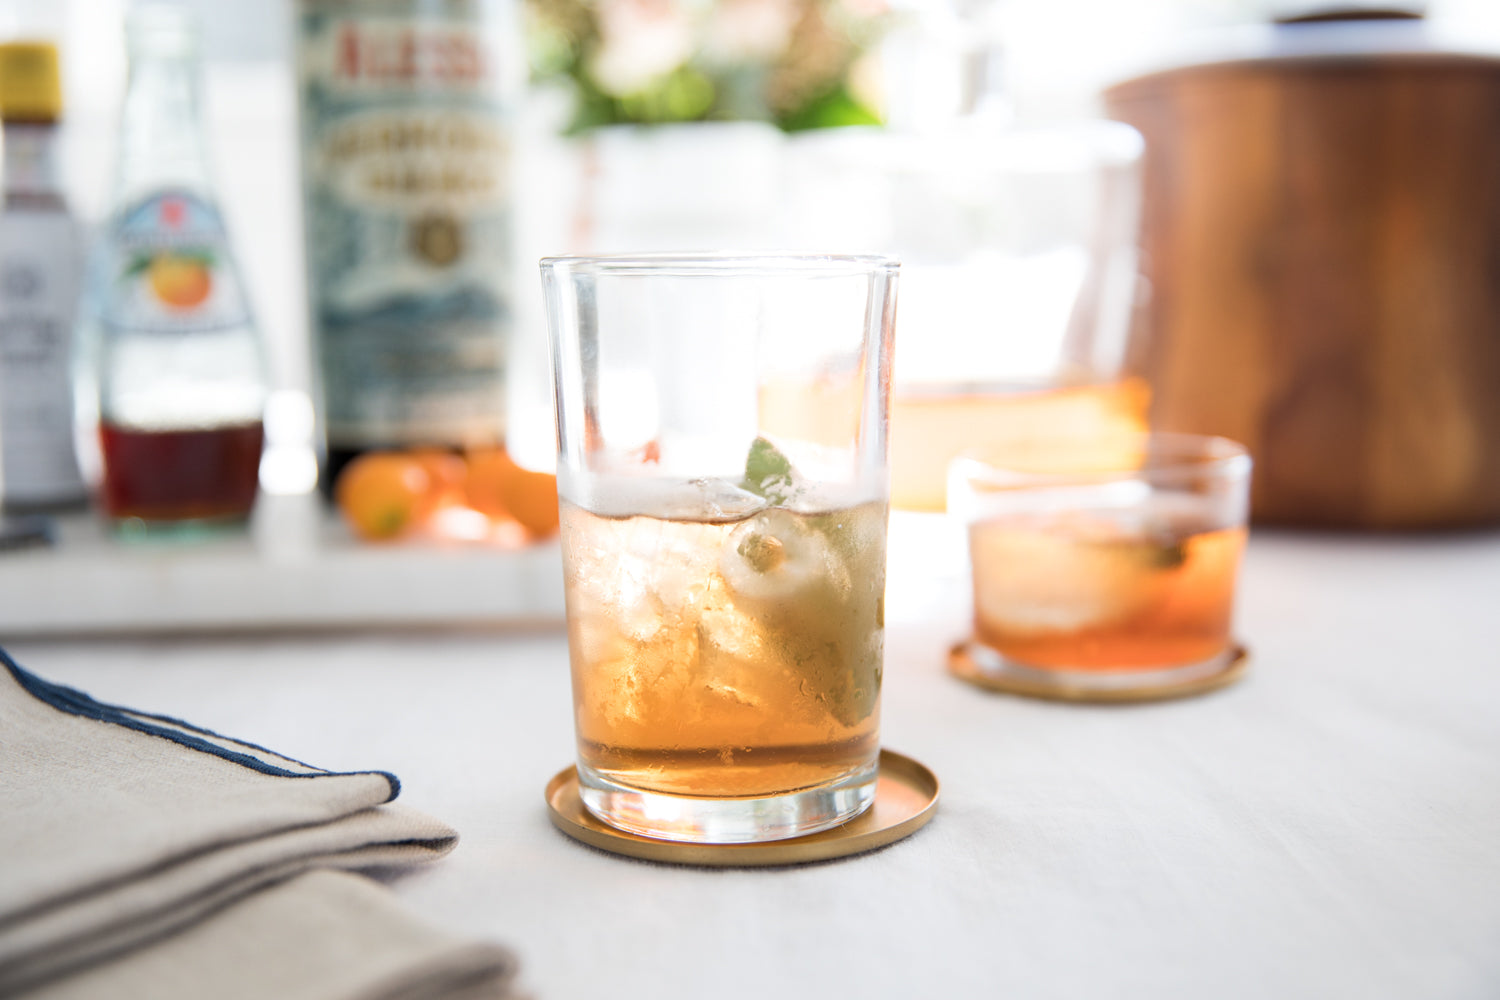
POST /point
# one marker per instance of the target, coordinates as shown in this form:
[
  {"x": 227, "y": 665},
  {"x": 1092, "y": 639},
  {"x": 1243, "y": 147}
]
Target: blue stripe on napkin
[{"x": 75, "y": 702}]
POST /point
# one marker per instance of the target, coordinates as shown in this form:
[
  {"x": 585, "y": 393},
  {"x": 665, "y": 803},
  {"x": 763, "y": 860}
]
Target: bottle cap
[{"x": 30, "y": 84}]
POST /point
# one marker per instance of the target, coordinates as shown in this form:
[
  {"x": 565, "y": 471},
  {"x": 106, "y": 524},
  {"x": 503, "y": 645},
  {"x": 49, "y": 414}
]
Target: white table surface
[{"x": 1330, "y": 827}]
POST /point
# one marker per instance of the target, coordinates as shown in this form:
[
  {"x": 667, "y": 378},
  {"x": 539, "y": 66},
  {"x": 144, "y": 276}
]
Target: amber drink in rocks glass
[
  {"x": 722, "y": 469},
  {"x": 1114, "y": 574}
]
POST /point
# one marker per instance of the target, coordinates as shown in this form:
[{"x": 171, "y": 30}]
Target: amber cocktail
[
  {"x": 1098, "y": 576},
  {"x": 723, "y": 542},
  {"x": 729, "y": 653},
  {"x": 932, "y": 426}
]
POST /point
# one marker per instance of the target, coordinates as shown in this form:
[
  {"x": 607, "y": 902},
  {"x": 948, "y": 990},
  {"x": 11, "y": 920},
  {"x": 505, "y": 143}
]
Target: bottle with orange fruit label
[{"x": 177, "y": 368}]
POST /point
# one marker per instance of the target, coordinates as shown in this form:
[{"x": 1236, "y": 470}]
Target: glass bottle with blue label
[
  {"x": 405, "y": 165},
  {"x": 176, "y": 359}
]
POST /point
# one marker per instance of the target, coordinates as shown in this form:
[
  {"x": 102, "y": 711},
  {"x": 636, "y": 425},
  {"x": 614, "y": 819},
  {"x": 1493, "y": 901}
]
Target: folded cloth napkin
[
  {"x": 132, "y": 842},
  {"x": 321, "y": 934}
]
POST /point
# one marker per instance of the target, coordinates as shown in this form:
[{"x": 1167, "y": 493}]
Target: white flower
[
  {"x": 640, "y": 41},
  {"x": 749, "y": 31}
]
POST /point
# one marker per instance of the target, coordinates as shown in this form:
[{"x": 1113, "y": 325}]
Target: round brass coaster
[
  {"x": 964, "y": 662},
  {"x": 906, "y": 795}
]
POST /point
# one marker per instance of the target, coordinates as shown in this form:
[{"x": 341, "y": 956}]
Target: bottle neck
[
  {"x": 30, "y": 165},
  {"x": 161, "y": 140}
]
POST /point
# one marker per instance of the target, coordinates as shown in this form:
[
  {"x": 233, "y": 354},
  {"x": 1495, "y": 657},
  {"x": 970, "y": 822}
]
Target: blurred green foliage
[{"x": 794, "y": 63}]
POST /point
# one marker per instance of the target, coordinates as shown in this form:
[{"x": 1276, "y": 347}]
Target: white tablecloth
[{"x": 1330, "y": 827}]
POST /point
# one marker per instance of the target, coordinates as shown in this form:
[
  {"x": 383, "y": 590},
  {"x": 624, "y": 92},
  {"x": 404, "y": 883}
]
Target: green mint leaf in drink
[{"x": 768, "y": 473}]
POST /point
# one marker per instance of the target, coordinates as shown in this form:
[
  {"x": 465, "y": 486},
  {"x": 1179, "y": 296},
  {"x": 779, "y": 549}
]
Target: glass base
[
  {"x": 1079, "y": 683},
  {"x": 187, "y": 530},
  {"x": 727, "y": 820}
]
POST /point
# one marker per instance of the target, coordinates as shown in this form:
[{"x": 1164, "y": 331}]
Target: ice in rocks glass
[{"x": 722, "y": 473}]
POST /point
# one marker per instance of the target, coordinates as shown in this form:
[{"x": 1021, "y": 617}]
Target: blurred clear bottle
[
  {"x": 173, "y": 352},
  {"x": 39, "y": 272}
]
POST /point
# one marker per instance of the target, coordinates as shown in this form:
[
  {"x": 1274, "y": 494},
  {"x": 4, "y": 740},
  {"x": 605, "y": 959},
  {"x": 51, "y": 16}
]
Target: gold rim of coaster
[
  {"x": 1071, "y": 686},
  {"x": 906, "y": 796}
]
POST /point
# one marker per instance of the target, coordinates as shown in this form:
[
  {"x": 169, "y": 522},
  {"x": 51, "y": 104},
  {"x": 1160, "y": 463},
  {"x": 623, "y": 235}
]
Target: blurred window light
[
  {"x": 1048, "y": 59},
  {"x": 290, "y": 463}
]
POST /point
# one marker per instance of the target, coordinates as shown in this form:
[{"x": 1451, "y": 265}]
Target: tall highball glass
[{"x": 722, "y": 469}]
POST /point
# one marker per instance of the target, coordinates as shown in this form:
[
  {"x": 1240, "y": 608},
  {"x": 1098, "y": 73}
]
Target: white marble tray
[{"x": 298, "y": 568}]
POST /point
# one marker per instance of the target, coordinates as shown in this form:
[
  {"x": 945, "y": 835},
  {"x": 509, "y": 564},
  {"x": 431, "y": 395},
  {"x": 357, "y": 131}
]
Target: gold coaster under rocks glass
[{"x": 906, "y": 798}]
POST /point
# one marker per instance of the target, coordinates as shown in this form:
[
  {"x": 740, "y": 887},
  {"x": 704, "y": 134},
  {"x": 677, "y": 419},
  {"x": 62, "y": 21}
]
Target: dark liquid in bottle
[{"x": 181, "y": 475}]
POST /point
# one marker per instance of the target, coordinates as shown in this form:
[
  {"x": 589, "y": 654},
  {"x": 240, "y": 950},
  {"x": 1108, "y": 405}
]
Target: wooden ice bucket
[{"x": 1322, "y": 234}]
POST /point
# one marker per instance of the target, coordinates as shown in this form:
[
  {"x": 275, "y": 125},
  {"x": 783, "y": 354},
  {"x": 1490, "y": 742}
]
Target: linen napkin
[{"x": 140, "y": 849}]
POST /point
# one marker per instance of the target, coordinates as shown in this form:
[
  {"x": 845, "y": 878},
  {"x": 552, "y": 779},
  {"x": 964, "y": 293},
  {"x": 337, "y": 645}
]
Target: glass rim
[
  {"x": 1165, "y": 454},
  {"x": 722, "y": 263}
]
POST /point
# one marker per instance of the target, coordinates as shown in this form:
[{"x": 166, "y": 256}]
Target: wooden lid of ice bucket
[{"x": 1322, "y": 234}]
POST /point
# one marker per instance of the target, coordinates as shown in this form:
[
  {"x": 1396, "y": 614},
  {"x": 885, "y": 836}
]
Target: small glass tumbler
[
  {"x": 1117, "y": 574},
  {"x": 723, "y": 482}
]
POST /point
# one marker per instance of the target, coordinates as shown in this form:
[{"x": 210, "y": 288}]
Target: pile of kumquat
[{"x": 479, "y": 495}]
